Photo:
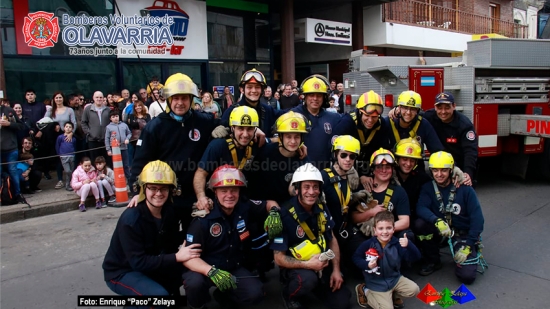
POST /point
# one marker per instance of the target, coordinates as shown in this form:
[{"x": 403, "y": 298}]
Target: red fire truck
[{"x": 502, "y": 85}]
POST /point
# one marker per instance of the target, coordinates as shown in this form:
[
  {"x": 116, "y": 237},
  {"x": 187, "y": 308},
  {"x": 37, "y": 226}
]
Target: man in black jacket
[
  {"x": 143, "y": 257},
  {"x": 9, "y": 126}
]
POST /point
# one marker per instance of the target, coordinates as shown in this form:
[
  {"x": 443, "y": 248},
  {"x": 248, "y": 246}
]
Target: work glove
[
  {"x": 273, "y": 224},
  {"x": 353, "y": 178},
  {"x": 222, "y": 279},
  {"x": 443, "y": 227},
  {"x": 458, "y": 176},
  {"x": 220, "y": 132},
  {"x": 462, "y": 254}
]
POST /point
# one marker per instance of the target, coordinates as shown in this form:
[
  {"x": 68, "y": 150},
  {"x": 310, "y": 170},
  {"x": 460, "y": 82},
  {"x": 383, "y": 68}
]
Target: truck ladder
[{"x": 512, "y": 90}]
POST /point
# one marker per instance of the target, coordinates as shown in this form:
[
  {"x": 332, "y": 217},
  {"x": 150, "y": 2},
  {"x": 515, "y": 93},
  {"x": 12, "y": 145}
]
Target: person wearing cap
[
  {"x": 252, "y": 84},
  {"x": 408, "y": 123},
  {"x": 225, "y": 237},
  {"x": 457, "y": 134},
  {"x": 276, "y": 162},
  {"x": 336, "y": 185},
  {"x": 301, "y": 250},
  {"x": 447, "y": 211},
  {"x": 238, "y": 150},
  {"x": 320, "y": 122},
  {"x": 368, "y": 126},
  {"x": 143, "y": 257},
  {"x": 178, "y": 136}
]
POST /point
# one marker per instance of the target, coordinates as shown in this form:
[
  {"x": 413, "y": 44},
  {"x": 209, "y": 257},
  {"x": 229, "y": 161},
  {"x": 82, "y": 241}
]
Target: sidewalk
[{"x": 49, "y": 201}]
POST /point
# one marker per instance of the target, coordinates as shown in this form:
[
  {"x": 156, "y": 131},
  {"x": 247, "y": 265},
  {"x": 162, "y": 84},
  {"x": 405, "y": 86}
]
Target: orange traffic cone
[{"x": 120, "y": 180}]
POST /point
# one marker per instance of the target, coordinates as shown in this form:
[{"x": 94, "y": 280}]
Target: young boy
[
  {"x": 122, "y": 134},
  {"x": 332, "y": 107},
  {"x": 391, "y": 252},
  {"x": 66, "y": 150},
  {"x": 23, "y": 170}
]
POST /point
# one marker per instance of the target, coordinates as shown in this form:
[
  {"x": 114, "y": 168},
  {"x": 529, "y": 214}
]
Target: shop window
[
  {"x": 137, "y": 75},
  {"x": 66, "y": 75},
  {"x": 226, "y": 74},
  {"x": 231, "y": 35},
  {"x": 225, "y": 37},
  {"x": 7, "y": 27}
]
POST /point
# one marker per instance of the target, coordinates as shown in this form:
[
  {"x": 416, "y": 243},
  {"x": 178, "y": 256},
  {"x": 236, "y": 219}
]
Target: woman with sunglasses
[
  {"x": 368, "y": 126},
  {"x": 337, "y": 184}
]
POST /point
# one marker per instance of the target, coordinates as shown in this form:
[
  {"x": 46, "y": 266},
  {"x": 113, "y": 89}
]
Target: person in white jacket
[{"x": 158, "y": 106}]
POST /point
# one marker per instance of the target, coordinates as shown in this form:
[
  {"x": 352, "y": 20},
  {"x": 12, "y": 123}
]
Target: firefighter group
[{"x": 326, "y": 197}]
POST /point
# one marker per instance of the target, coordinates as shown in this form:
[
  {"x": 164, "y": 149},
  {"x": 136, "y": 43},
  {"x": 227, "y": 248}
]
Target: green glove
[
  {"x": 462, "y": 254},
  {"x": 222, "y": 279},
  {"x": 443, "y": 227},
  {"x": 273, "y": 224}
]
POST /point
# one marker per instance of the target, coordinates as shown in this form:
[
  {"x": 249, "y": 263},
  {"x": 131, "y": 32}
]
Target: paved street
[{"x": 48, "y": 261}]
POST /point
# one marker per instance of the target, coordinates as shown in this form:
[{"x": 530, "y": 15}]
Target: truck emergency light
[
  {"x": 348, "y": 99},
  {"x": 388, "y": 100}
]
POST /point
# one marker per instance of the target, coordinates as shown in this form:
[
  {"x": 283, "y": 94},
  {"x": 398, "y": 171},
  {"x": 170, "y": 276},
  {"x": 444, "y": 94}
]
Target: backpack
[{"x": 7, "y": 191}]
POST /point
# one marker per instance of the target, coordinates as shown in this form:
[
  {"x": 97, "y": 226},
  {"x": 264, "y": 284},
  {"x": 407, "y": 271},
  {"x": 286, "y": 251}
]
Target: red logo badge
[
  {"x": 294, "y": 125},
  {"x": 41, "y": 29},
  {"x": 316, "y": 86},
  {"x": 409, "y": 150}
]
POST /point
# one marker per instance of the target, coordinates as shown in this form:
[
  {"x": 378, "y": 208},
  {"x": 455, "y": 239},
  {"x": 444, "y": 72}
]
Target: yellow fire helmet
[
  {"x": 347, "y": 143},
  {"x": 291, "y": 122},
  {"x": 441, "y": 159},
  {"x": 315, "y": 84},
  {"x": 253, "y": 75},
  {"x": 409, "y": 148},
  {"x": 382, "y": 156},
  {"x": 156, "y": 172},
  {"x": 244, "y": 116},
  {"x": 410, "y": 98},
  {"x": 179, "y": 84},
  {"x": 370, "y": 103}
]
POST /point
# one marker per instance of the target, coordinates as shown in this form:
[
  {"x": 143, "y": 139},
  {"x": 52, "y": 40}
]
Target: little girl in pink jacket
[{"x": 85, "y": 179}]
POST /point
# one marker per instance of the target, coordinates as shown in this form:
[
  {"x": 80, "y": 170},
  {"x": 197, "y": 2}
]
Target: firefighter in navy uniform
[
  {"x": 407, "y": 152},
  {"x": 273, "y": 167},
  {"x": 143, "y": 257},
  {"x": 307, "y": 235},
  {"x": 447, "y": 211},
  {"x": 320, "y": 122},
  {"x": 368, "y": 126},
  {"x": 178, "y": 137},
  {"x": 225, "y": 237},
  {"x": 456, "y": 133},
  {"x": 408, "y": 123},
  {"x": 336, "y": 185},
  {"x": 238, "y": 150},
  {"x": 252, "y": 84}
]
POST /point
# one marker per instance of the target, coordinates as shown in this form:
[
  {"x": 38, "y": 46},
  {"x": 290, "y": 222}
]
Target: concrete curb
[{"x": 24, "y": 212}]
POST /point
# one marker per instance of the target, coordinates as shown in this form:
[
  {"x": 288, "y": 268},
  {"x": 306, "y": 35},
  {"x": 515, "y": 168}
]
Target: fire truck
[{"x": 501, "y": 85}]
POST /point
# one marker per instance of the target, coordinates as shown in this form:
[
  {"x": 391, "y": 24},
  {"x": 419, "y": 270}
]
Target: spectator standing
[
  {"x": 122, "y": 134},
  {"x": 33, "y": 110},
  {"x": 25, "y": 120},
  {"x": 65, "y": 149},
  {"x": 210, "y": 106},
  {"x": 9, "y": 126},
  {"x": 143, "y": 97},
  {"x": 227, "y": 99},
  {"x": 158, "y": 107},
  {"x": 269, "y": 99},
  {"x": 95, "y": 119},
  {"x": 154, "y": 85},
  {"x": 332, "y": 87},
  {"x": 78, "y": 133},
  {"x": 341, "y": 103},
  {"x": 136, "y": 122},
  {"x": 288, "y": 99}
]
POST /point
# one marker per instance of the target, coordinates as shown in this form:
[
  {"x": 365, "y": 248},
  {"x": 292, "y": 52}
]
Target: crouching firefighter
[
  {"x": 447, "y": 211},
  {"x": 143, "y": 257},
  {"x": 307, "y": 251},
  {"x": 224, "y": 235}
]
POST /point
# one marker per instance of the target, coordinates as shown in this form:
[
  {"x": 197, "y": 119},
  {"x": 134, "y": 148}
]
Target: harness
[
  {"x": 387, "y": 198},
  {"x": 344, "y": 200},
  {"x": 412, "y": 132},
  {"x": 447, "y": 210},
  {"x": 321, "y": 222},
  {"x": 233, "y": 150},
  {"x": 360, "y": 132}
]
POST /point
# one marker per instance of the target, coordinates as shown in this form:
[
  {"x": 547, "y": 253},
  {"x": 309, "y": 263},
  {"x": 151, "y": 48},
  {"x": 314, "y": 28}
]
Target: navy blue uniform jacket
[
  {"x": 268, "y": 115},
  {"x": 224, "y": 239},
  {"x": 389, "y": 261},
  {"x": 459, "y": 139},
  {"x": 138, "y": 244},
  {"x": 425, "y": 134},
  {"x": 180, "y": 145},
  {"x": 466, "y": 213}
]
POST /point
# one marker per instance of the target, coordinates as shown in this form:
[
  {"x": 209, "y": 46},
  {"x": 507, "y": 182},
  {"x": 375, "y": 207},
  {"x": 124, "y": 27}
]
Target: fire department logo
[
  {"x": 470, "y": 135},
  {"x": 409, "y": 150},
  {"x": 390, "y": 206},
  {"x": 195, "y": 135},
  {"x": 41, "y": 29},
  {"x": 456, "y": 209},
  {"x": 294, "y": 125},
  {"x": 316, "y": 86},
  {"x": 245, "y": 120},
  {"x": 216, "y": 229},
  {"x": 300, "y": 232},
  {"x": 158, "y": 176},
  {"x": 328, "y": 128}
]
